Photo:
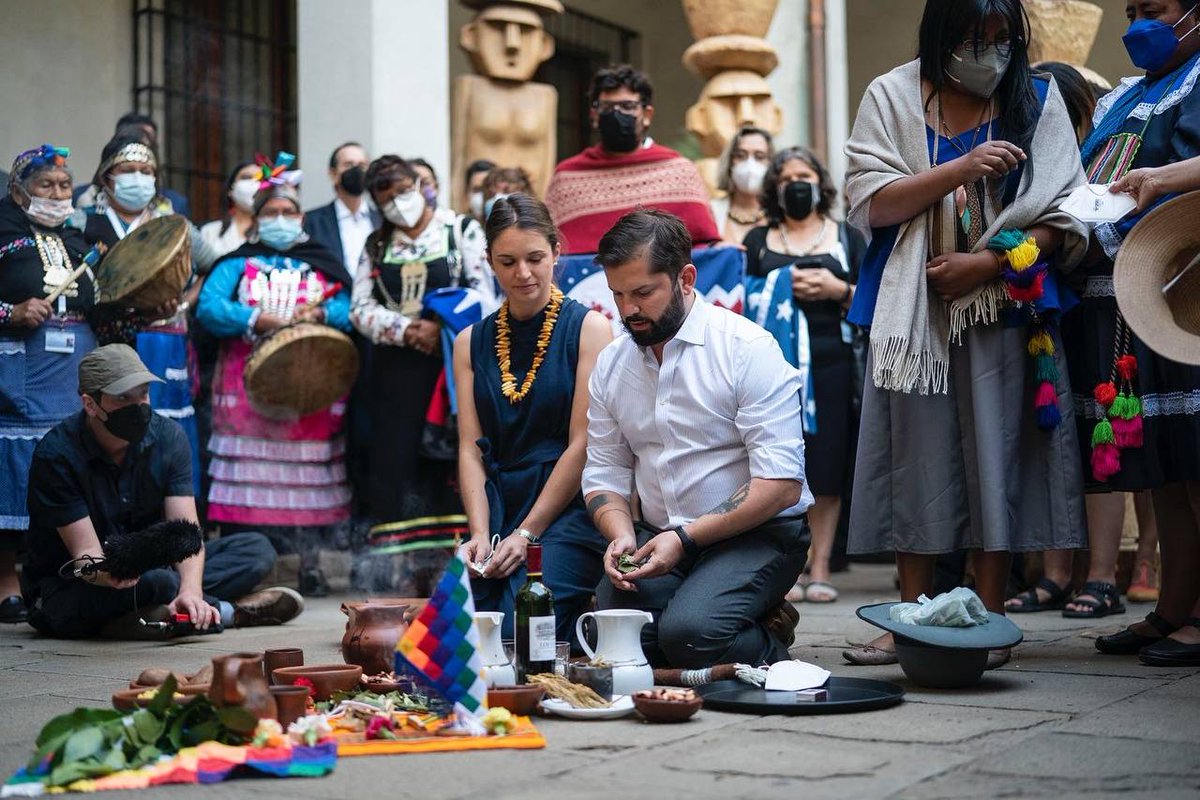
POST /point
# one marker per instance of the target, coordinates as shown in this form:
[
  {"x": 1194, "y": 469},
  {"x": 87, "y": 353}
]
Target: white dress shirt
[
  {"x": 354, "y": 227},
  {"x": 722, "y": 408}
]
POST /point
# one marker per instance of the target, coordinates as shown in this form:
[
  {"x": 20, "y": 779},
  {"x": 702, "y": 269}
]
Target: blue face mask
[
  {"x": 1151, "y": 43},
  {"x": 279, "y": 232},
  {"x": 134, "y": 190},
  {"x": 491, "y": 203}
]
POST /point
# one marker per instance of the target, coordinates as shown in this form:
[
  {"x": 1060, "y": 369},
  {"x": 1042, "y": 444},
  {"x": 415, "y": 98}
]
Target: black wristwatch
[{"x": 690, "y": 548}]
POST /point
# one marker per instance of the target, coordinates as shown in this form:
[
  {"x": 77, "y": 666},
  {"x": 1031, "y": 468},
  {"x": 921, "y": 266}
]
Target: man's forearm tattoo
[
  {"x": 596, "y": 507},
  {"x": 734, "y": 502}
]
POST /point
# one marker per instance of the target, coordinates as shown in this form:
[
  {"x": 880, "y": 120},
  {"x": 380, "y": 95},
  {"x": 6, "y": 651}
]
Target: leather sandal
[
  {"x": 1167, "y": 652},
  {"x": 1144, "y": 588},
  {"x": 1129, "y": 643},
  {"x": 1104, "y": 600},
  {"x": 1028, "y": 601}
]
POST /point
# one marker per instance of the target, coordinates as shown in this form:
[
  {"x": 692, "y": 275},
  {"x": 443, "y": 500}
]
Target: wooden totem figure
[
  {"x": 732, "y": 54},
  {"x": 1064, "y": 30},
  {"x": 498, "y": 114}
]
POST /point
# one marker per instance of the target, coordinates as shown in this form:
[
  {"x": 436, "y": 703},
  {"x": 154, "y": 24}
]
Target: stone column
[{"x": 375, "y": 71}]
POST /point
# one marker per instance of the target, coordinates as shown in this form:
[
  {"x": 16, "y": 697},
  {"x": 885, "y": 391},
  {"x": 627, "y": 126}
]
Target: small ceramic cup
[
  {"x": 282, "y": 657},
  {"x": 291, "y": 703}
]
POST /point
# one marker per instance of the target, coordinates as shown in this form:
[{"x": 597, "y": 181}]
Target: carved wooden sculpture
[
  {"x": 498, "y": 114},
  {"x": 731, "y": 53}
]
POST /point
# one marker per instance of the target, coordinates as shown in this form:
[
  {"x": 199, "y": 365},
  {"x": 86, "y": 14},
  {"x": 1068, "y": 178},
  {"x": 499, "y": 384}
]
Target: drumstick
[
  {"x": 694, "y": 677},
  {"x": 89, "y": 261}
]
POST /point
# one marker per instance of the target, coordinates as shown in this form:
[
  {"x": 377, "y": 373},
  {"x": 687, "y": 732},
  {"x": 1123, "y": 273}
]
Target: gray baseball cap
[{"x": 113, "y": 369}]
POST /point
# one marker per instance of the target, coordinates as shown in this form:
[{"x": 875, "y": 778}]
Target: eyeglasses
[
  {"x": 1004, "y": 47},
  {"x": 624, "y": 106}
]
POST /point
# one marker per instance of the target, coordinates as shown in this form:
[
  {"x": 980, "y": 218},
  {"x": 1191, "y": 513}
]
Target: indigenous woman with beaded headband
[
  {"x": 522, "y": 376},
  {"x": 1139, "y": 412},
  {"x": 959, "y": 162},
  {"x": 127, "y": 196},
  {"x": 412, "y": 498},
  {"x": 41, "y": 340},
  {"x": 285, "y": 477}
]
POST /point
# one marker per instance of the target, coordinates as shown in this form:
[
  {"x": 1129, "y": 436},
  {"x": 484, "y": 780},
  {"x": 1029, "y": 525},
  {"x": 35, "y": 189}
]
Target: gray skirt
[{"x": 969, "y": 469}]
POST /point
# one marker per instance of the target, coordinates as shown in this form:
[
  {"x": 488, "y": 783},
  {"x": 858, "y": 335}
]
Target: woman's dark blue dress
[{"x": 521, "y": 444}]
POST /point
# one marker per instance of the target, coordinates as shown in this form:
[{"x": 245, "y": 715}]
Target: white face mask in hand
[
  {"x": 406, "y": 209},
  {"x": 747, "y": 176}
]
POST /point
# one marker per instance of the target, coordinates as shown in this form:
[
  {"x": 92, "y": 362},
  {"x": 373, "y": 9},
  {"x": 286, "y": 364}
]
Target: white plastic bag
[{"x": 958, "y": 608}]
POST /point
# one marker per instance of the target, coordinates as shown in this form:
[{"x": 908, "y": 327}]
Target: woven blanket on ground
[
  {"x": 210, "y": 762},
  {"x": 523, "y": 737}
]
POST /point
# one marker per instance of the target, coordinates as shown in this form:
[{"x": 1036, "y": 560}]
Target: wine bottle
[{"x": 535, "y": 620}]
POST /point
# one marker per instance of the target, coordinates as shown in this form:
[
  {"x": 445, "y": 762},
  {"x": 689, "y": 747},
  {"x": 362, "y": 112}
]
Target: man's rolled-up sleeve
[
  {"x": 609, "y": 458},
  {"x": 769, "y": 415}
]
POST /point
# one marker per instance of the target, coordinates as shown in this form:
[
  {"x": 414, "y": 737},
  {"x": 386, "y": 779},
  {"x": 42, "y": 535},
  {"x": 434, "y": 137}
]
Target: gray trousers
[{"x": 710, "y": 609}]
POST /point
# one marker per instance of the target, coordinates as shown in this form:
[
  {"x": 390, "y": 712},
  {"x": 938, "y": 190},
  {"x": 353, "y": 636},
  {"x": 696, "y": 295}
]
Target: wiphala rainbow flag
[{"x": 442, "y": 644}]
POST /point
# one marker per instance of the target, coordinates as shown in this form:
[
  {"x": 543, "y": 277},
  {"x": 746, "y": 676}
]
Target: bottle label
[{"x": 541, "y": 638}]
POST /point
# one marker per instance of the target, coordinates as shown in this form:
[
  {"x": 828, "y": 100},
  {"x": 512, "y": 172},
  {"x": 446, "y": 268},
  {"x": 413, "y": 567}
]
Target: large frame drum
[
  {"x": 300, "y": 369},
  {"x": 149, "y": 267}
]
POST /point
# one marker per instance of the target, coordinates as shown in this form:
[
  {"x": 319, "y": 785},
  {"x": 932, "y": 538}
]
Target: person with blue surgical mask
[
  {"x": 1145, "y": 123},
  {"x": 284, "y": 477}
]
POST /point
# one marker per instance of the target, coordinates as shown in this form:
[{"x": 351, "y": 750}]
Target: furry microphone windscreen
[{"x": 128, "y": 555}]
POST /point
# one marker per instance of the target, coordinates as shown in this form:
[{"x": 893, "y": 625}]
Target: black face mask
[
  {"x": 799, "y": 198},
  {"x": 354, "y": 181},
  {"x": 129, "y": 422},
  {"x": 662, "y": 328},
  {"x": 618, "y": 132}
]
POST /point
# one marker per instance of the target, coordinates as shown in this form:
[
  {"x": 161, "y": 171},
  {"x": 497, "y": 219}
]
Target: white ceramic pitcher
[
  {"x": 619, "y": 644},
  {"x": 497, "y": 668}
]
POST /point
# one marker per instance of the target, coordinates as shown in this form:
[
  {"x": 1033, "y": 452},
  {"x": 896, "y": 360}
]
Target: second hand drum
[{"x": 300, "y": 369}]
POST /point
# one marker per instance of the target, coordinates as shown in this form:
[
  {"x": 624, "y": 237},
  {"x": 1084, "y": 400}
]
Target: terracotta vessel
[
  {"x": 238, "y": 680},
  {"x": 281, "y": 657},
  {"x": 291, "y": 703},
  {"x": 325, "y": 678},
  {"x": 373, "y": 628}
]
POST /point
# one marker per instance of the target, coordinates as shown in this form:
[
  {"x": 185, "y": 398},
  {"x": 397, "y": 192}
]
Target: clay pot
[
  {"x": 291, "y": 703},
  {"x": 281, "y": 657},
  {"x": 238, "y": 680},
  {"x": 372, "y": 630},
  {"x": 326, "y": 678},
  {"x": 655, "y": 710}
]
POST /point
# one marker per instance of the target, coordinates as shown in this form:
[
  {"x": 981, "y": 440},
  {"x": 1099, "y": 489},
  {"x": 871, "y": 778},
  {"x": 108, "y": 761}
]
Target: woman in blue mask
[
  {"x": 126, "y": 198},
  {"x": 284, "y": 477},
  {"x": 1138, "y": 412}
]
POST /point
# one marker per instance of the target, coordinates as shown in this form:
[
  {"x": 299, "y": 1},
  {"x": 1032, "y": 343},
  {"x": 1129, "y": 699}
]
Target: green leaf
[
  {"x": 70, "y": 772},
  {"x": 148, "y": 754},
  {"x": 238, "y": 720},
  {"x": 165, "y": 697},
  {"x": 79, "y": 718},
  {"x": 148, "y": 726},
  {"x": 84, "y": 743},
  {"x": 115, "y": 760},
  {"x": 206, "y": 731}
]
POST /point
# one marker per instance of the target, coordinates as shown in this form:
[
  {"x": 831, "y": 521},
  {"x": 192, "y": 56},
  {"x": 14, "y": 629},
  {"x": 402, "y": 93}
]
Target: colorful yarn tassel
[
  {"x": 1105, "y": 393},
  {"x": 1103, "y": 433},
  {"x": 1028, "y": 294},
  {"x": 1127, "y": 433},
  {"x": 1040, "y": 343},
  {"x": 1106, "y": 461},
  {"x": 1046, "y": 403},
  {"x": 1024, "y": 255},
  {"x": 1127, "y": 367},
  {"x": 1046, "y": 371}
]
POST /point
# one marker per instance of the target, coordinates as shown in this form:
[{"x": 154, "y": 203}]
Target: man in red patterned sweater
[{"x": 627, "y": 170}]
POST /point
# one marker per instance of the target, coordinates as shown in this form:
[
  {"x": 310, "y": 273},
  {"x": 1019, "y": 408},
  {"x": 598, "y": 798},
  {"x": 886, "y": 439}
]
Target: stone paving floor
[{"x": 1058, "y": 721}]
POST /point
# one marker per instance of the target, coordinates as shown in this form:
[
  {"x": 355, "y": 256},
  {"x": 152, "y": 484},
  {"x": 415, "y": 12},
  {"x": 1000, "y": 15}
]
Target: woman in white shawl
[{"x": 957, "y": 160}]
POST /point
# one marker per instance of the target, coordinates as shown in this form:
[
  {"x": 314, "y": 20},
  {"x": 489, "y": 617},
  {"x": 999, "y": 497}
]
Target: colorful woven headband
[
  {"x": 36, "y": 159},
  {"x": 135, "y": 152},
  {"x": 276, "y": 180}
]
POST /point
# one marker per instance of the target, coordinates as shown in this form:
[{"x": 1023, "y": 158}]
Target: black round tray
[{"x": 846, "y": 695}]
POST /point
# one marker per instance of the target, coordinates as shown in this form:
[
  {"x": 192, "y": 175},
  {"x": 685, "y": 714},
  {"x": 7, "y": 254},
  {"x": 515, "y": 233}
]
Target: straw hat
[{"x": 1157, "y": 279}]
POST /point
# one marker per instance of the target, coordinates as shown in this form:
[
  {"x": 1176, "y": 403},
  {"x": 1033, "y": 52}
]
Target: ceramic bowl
[
  {"x": 326, "y": 678},
  {"x": 127, "y": 699},
  {"x": 940, "y": 667},
  {"x": 655, "y": 710},
  {"x": 520, "y": 700}
]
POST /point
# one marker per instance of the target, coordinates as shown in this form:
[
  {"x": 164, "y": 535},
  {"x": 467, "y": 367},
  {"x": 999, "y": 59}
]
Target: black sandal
[
  {"x": 1128, "y": 643},
  {"x": 1107, "y": 601},
  {"x": 1030, "y": 602},
  {"x": 1170, "y": 653}
]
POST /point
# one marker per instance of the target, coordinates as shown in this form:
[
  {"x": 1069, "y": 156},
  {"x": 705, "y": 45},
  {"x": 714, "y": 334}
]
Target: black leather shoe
[
  {"x": 1170, "y": 653},
  {"x": 312, "y": 583},
  {"x": 12, "y": 609},
  {"x": 1128, "y": 643}
]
